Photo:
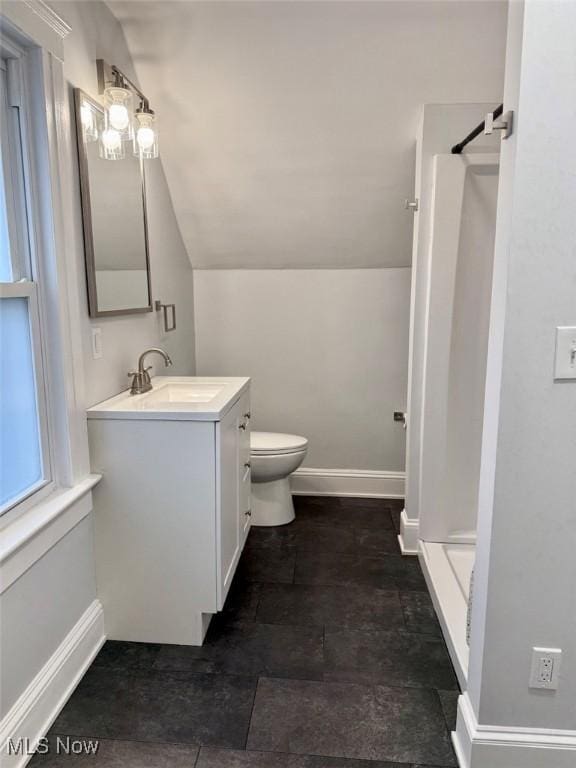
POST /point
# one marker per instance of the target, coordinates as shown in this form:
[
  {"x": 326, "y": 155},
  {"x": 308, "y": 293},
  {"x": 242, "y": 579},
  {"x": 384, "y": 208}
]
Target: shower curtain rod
[{"x": 457, "y": 148}]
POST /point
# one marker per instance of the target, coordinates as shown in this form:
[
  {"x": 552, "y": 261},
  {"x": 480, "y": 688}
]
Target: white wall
[
  {"x": 42, "y": 606},
  {"x": 327, "y": 351},
  {"x": 526, "y": 569},
  {"x": 97, "y": 34},
  {"x": 288, "y": 127}
]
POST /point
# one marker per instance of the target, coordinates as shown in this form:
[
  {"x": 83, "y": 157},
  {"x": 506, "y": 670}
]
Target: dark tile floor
[{"x": 327, "y": 655}]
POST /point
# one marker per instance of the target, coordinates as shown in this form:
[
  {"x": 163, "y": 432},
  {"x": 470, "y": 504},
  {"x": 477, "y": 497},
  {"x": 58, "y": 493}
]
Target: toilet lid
[{"x": 276, "y": 442}]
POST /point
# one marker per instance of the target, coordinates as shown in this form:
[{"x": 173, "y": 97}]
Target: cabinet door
[
  {"x": 228, "y": 480},
  {"x": 244, "y": 508}
]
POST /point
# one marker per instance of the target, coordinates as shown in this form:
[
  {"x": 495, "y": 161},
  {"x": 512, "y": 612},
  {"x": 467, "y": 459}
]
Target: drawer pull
[
  {"x": 247, "y": 464},
  {"x": 242, "y": 426},
  {"x": 248, "y": 415},
  {"x": 248, "y": 514}
]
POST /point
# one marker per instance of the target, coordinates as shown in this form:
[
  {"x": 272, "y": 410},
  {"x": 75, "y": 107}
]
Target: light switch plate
[
  {"x": 565, "y": 363},
  {"x": 96, "y": 343}
]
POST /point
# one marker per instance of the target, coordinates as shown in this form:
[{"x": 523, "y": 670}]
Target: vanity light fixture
[
  {"x": 118, "y": 110},
  {"x": 146, "y": 134},
  {"x": 121, "y": 122}
]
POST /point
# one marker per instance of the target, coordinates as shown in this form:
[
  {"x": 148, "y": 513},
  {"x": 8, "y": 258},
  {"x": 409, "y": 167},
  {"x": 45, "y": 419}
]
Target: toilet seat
[{"x": 276, "y": 443}]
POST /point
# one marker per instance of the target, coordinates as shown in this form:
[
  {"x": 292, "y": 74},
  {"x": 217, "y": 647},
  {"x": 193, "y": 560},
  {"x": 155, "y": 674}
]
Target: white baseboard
[
  {"x": 478, "y": 746},
  {"x": 34, "y": 712},
  {"x": 408, "y": 538},
  {"x": 348, "y": 482}
]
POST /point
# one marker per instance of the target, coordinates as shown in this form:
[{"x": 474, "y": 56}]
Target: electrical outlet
[{"x": 545, "y": 668}]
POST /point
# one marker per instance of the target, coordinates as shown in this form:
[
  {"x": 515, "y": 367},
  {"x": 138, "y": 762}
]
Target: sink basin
[
  {"x": 196, "y": 398},
  {"x": 180, "y": 393}
]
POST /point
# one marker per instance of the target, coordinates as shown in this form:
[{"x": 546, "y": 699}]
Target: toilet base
[{"x": 272, "y": 503}]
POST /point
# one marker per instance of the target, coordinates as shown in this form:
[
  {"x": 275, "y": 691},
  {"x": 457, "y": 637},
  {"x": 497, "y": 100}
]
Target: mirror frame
[{"x": 89, "y": 257}]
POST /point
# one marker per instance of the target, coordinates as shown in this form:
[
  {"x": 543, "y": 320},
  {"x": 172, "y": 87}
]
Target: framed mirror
[{"x": 113, "y": 195}]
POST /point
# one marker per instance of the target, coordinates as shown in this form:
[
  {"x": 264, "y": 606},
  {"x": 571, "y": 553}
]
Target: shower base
[{"x": 447, "y": 568}]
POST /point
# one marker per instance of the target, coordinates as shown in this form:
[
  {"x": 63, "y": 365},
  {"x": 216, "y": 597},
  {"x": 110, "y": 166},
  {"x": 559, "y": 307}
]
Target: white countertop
[{"x": 173, "y": 398}]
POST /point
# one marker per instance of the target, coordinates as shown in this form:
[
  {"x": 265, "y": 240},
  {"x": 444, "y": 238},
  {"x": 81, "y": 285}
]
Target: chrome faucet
[{"x": 141, "y": 378}]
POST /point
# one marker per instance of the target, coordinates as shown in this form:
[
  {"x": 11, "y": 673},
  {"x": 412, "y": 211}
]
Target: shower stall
[
  {"x": 456, "y": 251},
  {"x": 461, "y": 258}
]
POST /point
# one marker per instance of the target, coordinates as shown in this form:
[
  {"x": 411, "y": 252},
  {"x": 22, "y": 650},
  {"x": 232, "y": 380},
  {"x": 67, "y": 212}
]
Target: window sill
[{"x": 25, "y": 540}]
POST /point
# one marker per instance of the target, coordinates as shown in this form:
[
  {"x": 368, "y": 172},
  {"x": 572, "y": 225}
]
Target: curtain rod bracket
[
  {"x": 490, "y": 124},
  {"x": 457, "y": 148}
]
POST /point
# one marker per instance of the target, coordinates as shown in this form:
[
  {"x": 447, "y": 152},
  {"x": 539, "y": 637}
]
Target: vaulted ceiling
[{"x": 288, "y": 128}]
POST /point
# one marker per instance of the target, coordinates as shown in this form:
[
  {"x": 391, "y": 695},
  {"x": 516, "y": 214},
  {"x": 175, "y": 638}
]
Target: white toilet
[{"x": 274, "y": 456}]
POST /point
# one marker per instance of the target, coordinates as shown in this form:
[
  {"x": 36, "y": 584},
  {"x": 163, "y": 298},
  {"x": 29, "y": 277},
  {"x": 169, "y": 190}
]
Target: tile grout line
[
  {"x": 324, "y": 652},
  {"x": 251, "y": 714},
  {"x": 296, "y": 553}
]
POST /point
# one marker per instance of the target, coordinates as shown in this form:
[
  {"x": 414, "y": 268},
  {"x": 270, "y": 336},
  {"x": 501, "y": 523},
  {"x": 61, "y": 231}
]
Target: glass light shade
[
  {"x": 118, "y": 109},
  {"x": 146, "y": 136},
  {"x": 89, "y": 122},
  {"x": 111, "y": 145}
]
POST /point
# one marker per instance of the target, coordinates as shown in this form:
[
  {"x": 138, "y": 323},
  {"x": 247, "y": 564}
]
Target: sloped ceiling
[{"x": 288, "y": 128}]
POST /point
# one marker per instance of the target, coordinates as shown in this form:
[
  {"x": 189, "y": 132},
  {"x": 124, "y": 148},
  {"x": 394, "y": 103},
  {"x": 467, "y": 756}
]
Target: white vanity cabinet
[
  {"x": 172, "y": 511},
  {"x": 232, "y": 490}
]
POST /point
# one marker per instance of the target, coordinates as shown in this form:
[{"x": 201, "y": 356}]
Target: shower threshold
[{"x": 447, "y": 568}]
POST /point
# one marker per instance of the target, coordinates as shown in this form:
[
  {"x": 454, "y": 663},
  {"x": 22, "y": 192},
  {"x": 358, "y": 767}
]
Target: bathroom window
[{"x": 25, "y": 467}]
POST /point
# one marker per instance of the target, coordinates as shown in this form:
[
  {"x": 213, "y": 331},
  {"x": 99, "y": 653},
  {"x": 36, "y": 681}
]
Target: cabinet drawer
[{"x": 245, "y": 473}]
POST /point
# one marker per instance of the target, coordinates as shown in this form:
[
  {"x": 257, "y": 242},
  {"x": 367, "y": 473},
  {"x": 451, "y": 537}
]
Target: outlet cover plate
[
  {"x": 545, "y": 669},
  {"x": 565, "y": 362}
]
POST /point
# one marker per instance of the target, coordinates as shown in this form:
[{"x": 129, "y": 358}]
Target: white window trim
[
  {"x": 33, "y": 31},
  {"x": 25, "y": 229}
]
